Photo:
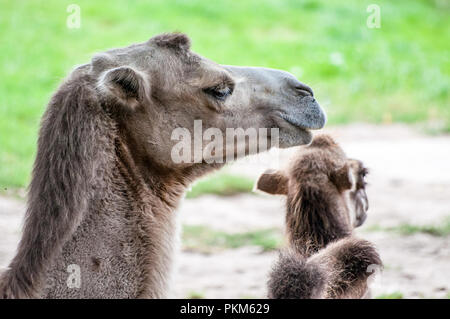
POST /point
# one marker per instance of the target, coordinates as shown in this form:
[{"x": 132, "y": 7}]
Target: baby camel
[{"x": 326, "y": 200}]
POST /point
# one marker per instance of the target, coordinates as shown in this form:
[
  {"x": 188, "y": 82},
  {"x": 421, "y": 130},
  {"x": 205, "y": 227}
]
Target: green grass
[
  {"x": 221, "y": 184},
  {"x": 204, "y": 239},
  {"x": 393, "y": 295},
  {"x": 442, "y": 229},
  {"x": 195, "y": 295},
  {"x": 399, "y": 72}
]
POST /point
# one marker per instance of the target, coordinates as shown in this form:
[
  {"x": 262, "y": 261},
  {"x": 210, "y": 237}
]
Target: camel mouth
[
  {"x": 309, "y": 115},
  {"x": 297, "y": 133},
  {"x": 360, "y": 220},
  {"x": 295, "y": 122}
]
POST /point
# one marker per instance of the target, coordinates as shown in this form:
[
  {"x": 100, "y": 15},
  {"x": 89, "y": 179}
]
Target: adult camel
[{"x": 104, "y": 188}]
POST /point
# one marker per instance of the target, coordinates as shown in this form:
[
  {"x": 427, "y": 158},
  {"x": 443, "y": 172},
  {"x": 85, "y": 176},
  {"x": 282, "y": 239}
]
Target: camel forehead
[
  {"x": 176, "y": 43},
  {"x": 130, "y": 51},
  {"x": 138, "y": 52},
  {"x": 160, "y": 50}
]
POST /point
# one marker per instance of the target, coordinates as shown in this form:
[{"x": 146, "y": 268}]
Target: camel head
[
  {"x": 322, "y": 171},
  {"x": 159, "y": 86}
]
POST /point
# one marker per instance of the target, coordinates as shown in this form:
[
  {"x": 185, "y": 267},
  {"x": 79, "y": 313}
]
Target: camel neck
[
  {"x": 313, "y": 220},
  {"x": 147, "y": 181}
]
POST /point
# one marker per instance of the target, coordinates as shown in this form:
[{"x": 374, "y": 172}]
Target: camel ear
[
  {"x": 273, "y": 182},
  {"x": 343, "y": 178},
  {"x": 125, "y": 83}
]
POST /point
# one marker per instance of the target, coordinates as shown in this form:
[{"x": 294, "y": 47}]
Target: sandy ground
[{"x": 409, "y": 182}]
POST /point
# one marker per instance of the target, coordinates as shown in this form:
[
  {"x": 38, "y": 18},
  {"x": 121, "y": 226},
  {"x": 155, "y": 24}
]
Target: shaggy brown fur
[
  {"x": 326, "y": 199},
  {"x": 104, "y": 185}
]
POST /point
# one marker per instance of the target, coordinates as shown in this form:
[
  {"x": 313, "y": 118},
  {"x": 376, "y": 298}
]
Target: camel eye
[
  {"x": 218, "y": 92},
  {"x": 363, "y": 172},
  {"x": 362, "y": 176}
]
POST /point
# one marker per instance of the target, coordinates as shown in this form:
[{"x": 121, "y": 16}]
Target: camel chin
[{"x": 291, "y": 136}]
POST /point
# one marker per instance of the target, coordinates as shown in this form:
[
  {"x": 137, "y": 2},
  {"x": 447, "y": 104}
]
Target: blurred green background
[{"x": 397, "y": 73}]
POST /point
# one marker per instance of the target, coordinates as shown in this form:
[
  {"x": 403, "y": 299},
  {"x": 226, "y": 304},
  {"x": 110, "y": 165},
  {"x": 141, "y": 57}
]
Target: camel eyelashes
[{"x": 218, "y": 92}]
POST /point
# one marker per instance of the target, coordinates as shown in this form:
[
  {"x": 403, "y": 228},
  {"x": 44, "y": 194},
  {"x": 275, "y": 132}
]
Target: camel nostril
[
  {"x": 303, "y": 92},
  {"x": 303, "y": 89}
]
